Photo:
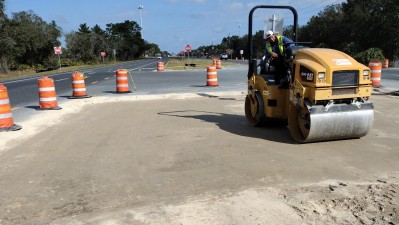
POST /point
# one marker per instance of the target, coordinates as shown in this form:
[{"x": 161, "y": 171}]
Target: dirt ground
[{"x": 192, "y": 159}]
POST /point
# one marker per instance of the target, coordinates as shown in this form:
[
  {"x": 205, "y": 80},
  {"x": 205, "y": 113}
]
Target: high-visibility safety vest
[{"x": 280, "y": 45}]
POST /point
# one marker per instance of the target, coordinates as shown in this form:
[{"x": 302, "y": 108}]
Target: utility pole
[{"x": 141, "y": 20}]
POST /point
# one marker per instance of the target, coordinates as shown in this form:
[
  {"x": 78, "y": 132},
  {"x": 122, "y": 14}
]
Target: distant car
[
  {"x": 224, "y": 56},
  {"x": 159, "y": 57}
]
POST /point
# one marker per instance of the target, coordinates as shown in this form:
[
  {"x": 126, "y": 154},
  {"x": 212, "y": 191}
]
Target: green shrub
[
  {"x": 51, "y": 63},
  {"x": 67, "y": 62},
  {"x": 371, "y": 54},
  {"x": 23, "y": 67}
]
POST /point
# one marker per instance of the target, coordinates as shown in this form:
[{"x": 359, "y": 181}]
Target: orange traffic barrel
[
  {"x": 160, "y": 66},
  {"x": 375, "y": 68},
  {"x": 211, "y": 76},
  {"x": 386, "y": 63},
  {"x": 47, "y": 94},
  {"x": 78, "y": 86},
  {"x": 214, "y": 62},
  {"x": 218, "y": 64},
  {"x": 6, "y": 120},
  {"x": 122, "y": 81}
]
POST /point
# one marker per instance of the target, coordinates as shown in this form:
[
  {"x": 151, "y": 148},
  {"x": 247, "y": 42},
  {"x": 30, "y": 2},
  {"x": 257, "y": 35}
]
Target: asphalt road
[
  {"x": 390, "y": 78},
  {"x": 23, "y": 93}
]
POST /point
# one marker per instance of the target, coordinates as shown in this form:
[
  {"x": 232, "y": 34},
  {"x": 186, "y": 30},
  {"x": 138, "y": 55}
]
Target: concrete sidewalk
[{"x": 192, "y": 159}]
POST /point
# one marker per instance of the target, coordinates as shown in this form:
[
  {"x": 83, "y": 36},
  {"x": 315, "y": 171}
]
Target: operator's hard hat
[{"x": 269, "y": 33}]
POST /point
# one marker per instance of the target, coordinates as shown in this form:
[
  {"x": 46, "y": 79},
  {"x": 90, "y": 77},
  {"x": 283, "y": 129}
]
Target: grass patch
[{"x": 184, "y": 64}]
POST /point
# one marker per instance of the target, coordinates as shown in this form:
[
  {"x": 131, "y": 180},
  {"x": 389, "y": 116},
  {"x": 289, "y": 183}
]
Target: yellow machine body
[
  {"x": 327, "y": 61},
  {"x": 327, "y": 98}
]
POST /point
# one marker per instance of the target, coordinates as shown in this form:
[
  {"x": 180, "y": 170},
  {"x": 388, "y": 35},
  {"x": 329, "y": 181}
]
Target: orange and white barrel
[
  {"x": 6, "y": 120},
  {"x": 218, "y": 64},
  {"x": 211, "y": 76},
  {"x": 375, "y": 69},
  {"x": 47, "y": 94},
  {"x": 160, "y": 66},
  {"x": 122, "y": 81},
  {"x": 386, "y": 63},
  {"x": 214, "y": 62},
  {"x": 78, "y": 85}
]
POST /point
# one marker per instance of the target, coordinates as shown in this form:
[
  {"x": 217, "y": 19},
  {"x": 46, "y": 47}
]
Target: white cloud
[{"x": 236, "y": 6}]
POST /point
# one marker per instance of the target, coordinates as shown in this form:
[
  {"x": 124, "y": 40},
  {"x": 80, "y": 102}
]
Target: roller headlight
[
  {"x": 366, "y": 72},
  {"x": 321, "y": 75}
]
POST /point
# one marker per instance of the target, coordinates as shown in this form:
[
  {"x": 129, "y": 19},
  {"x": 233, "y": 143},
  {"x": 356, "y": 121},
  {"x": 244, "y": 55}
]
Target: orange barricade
[
  {"x": 6, "y": 120},
  {"x": 386, "y": 63},
  {"x": 122, "y": 82},
  {"x": 375, "y": 68},
  {"x": 160, "y": 66},
  {"x": 211, "y": 76},
  {"x": 78, "y": 86},
  {"x": 218, "y": 64},
  {"x": 47, "y": 94},
  {"x": 214, "y": 62}
]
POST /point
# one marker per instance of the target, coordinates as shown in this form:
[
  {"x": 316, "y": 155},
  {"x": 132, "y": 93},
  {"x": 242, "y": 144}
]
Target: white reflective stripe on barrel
[
  {"x": 376, "y": 78},
  {"x": 375, "y": 71},
  {"x": 5, "y": 101},
  {"x": 47, "y": 89},
  {"x": 212, "y": 73},
  {"x": 79, "y": 89},
  {"x": 214, "y": 79},
  {"x": 374, "y": 64},
  {"x": 121, "y": 78},
  {"x": 5, "y": 116},
  {"x": 78, "y": 81},
  {"x": 48, "y": 99},
  {"x": 122, "y": 85}
]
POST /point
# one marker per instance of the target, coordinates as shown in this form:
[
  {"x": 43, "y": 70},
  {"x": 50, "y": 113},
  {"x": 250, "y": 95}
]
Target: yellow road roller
[{"x": 327, "y": 97}]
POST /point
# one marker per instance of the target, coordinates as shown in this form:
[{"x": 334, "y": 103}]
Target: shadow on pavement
[
  {"x": 382, "y": 91},
  {"x": 237, "y": 124}
]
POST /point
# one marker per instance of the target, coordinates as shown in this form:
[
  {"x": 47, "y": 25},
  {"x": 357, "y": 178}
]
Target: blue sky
[{"x": 172, "y": 24}]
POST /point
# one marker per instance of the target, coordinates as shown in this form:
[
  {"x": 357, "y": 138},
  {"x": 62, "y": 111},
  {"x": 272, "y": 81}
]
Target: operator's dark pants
[{"x": 281, "y": 68}]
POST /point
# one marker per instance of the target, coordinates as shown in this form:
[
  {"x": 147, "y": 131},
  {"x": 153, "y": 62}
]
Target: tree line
[
  {"x": 27, "y": 42},
  {"x": 365, "y": 29}
]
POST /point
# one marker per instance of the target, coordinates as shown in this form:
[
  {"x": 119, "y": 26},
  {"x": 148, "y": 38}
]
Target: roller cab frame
[{"x": 327, "y": 97}]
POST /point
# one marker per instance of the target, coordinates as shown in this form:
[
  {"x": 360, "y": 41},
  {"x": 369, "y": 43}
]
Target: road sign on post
[
  {"x": 58, "y": 51},
  {"x": 188, "y": 49},
  {"x": 103, "y": 54}
]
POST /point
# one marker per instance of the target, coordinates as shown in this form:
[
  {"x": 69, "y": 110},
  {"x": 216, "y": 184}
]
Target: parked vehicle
[{"x": 224, "y": 56}]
